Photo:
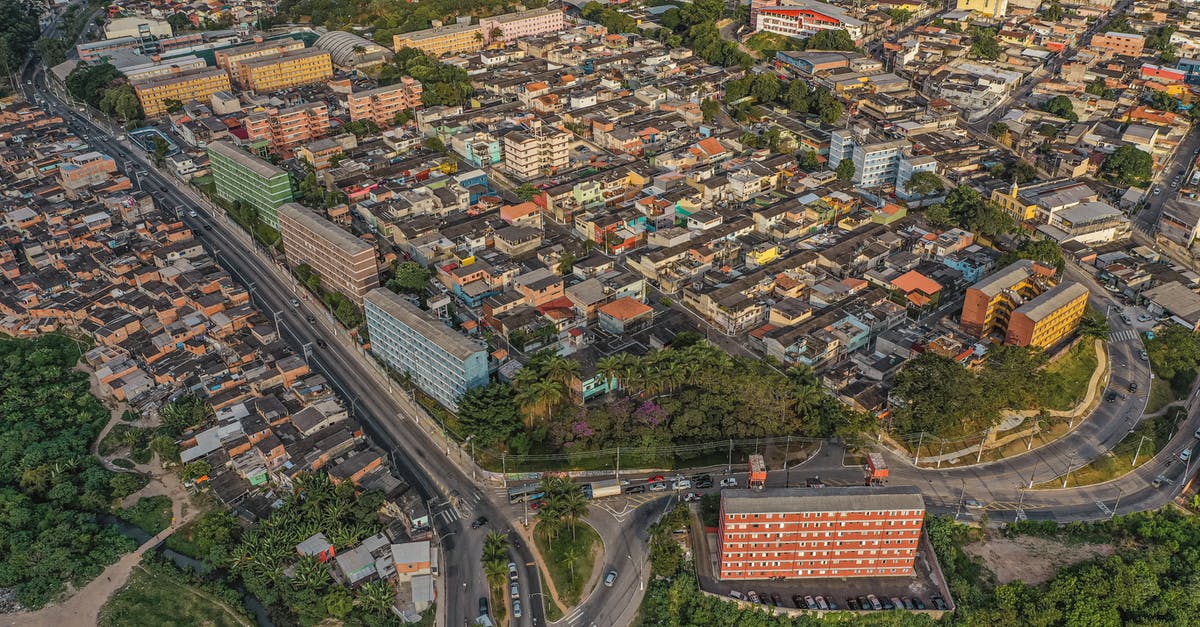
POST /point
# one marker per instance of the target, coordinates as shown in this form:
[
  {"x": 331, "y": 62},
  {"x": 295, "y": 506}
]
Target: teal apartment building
[{"x": 241, "y": 176}]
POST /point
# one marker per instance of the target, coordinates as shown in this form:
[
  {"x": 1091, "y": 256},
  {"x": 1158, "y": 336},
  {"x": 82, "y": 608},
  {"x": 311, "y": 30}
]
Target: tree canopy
[
  {"x": 965, "y": 208},
  {"x": 1128, "y": 166},
  {"x": 1062, "y": 107}
]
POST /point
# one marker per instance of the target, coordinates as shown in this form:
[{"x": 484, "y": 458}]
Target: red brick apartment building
[{"x": 819, "y": 532}]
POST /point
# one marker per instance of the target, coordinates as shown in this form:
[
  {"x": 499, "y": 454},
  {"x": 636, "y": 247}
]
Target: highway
[{"x": 454, "y": 499}]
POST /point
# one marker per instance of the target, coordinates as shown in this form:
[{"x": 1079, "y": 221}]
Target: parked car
[
  {"x": 1144, "y": 356},
  {"x": 512, "y": 571},
  {"x": 610, "y": 578},
  {"x": 775, "y": 600},
  {"x": 810, "y": 603},
  {"x": 691, "y": 497},
  {"x": 938, "y": 602},
  {"x": 514, "y": 590},
  {"x": 734, "y": 594},
  {"x": 729, "y": 482},
  {"x": 655, "y": 479},
  {"x": 1133, "y": 387},
  {"x": 897, "y": 604},
  {"x": 483, "y": 606},
  {"x": 753, "y": 596},
  {"x": 886, "y": 603},
  {"x": 704, "y": 482},
  {"x": 918, "y": 603},
  {"x": 517, "y": 609},
  {"x": 821, "y": 604},
  {"x": 875, "y": 604},
  {"x": 635, "y": 489},
  {"x": 681, "y": 484},
  {"x": 658, "y": 487},
  {"x": 832, "y": 604},
  {"x": 863, "y": 603},
  {"x": 851, "y": 603}
]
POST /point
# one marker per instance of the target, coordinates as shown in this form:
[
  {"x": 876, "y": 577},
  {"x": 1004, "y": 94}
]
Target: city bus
[{"x": 531, "y": 492}]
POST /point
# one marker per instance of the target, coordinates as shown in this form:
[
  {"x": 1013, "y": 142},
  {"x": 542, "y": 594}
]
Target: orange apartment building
[
  {"x": 819, "y": 532},
  {"x": 380, "y": 105},
  {"x": 284, "y": 129},
  {"x": 1127, "y": 44},
  {"x": 1049, "y": 318},
  {"x": 344, "y": 262},
  {"x": 297, "y": 67},
  {"x": 989, "y": 304}
]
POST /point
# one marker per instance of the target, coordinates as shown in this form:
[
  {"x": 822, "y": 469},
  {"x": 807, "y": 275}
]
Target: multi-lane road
[{"x": 454, "y": 498}]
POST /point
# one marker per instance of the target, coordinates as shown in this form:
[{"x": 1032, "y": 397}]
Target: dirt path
[
  {"x": 1031, "y": 559},
  {"x": 82, "y": 607}
]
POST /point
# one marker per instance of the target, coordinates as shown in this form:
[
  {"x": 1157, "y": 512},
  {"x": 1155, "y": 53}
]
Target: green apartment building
[{"x": 241, "y": 176}]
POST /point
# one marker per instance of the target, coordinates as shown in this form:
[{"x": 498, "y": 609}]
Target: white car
[
  {"x": 729, "y": 482},
  {"x": 734, "y": 594},
  {"x": 1185, "y": 454},
  {"x": 682, "y": 484}
]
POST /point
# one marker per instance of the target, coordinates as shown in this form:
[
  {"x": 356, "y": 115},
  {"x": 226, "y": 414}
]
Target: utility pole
[
  {"x": 729, "y": 468},
  {"x": 1116, "y": 505},
  {"x": 618, "y": 471},
  {"x": 504, "y": 470},
  {"x": 1066, "y": 475},
  {"x": 981, "y": 443},
  {"x": 1137, "y": 452},
  {"x": 920, "y": 440},
  {"x": 1033, "y": 472},
  {"x": 961, "y": 495}
]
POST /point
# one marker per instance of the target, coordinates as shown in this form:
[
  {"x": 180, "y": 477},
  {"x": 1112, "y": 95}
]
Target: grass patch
[
  {"x": 183, "y": 541},
  {"x": 130, "y": 416},
  {"x": 123, "y": 437},
  {"x": 710, "y": 510},
  {"x": 1161, "y": 395},
  {"x": 765, "y": 44},
  {"x": 151, "y": 513},
  {"x": 152, "y": 600},
  {"x": 1067, "y": 379},
  {"x": 569, "y": 559},
  {"x": 1119, "y": 461},
  {"x": 121, "y": 462},
  {"x": 553, "y": 612}
]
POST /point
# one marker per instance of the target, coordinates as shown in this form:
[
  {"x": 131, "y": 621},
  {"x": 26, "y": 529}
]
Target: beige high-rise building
[
  {"x": 345, "y": 263},
  {"x": 531, "y": 154}
]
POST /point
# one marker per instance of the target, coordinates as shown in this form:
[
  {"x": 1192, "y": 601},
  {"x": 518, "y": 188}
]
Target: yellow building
[
  {"x": 189, "y": 86},
  {"x": 300, "y": 67},
  {"x": 1012, "y": 202},
  {"x": 229, "y": 58},
  {"x": 991, "y": 8},
  {"x": 762, "y": 254},
  {"x": 442, "y": 40},
  {"x": 1049, "y": 318}
]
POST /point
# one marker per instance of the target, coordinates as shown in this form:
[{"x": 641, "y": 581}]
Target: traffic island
[{"x": 569, "y": 556}]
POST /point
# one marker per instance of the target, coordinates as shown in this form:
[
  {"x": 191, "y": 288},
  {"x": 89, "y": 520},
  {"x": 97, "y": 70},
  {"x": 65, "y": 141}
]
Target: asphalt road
[
  {"x": 1146, "y": 220},
  {"x": 453, "y": 497}
]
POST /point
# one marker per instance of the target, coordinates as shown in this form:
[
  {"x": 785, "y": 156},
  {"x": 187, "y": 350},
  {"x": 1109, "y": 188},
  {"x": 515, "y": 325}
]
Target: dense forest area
[{"x": 52, "y": 491}]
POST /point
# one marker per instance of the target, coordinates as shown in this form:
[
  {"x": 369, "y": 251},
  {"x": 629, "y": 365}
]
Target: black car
[
  {"x": 862, "y": 602},
  {"x": 479, "y": 522},
  {"x": 775, "y": 600},
  {"x": 321, "y": 343},
  {"x": 483, "y": 606},
  {"x": 207, "y": 227},
  {"x": 1111, "y": 397},
  {"x": 1133, "y": 387},
  {"x": 938, "y": 602},
  {"x": 851, "y": 603},
  {"x": 311, "y": 319},
  {"x": 887, "y": 603},
  {"x": 635, "y": 489},
  {"x": 920, "y": 605},
  {"x": 798, "y": 601},
  {"x": 704, "y": 483}
]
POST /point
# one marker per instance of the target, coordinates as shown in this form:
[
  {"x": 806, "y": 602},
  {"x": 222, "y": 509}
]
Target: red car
[
  {"x": 535, "y": 505},
  {"x": 655, "y": 479}
]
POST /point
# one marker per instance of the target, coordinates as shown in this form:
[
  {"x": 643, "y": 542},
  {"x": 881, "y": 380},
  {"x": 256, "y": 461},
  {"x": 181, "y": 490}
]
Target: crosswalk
[
  {"x": 1124, "y": 335},
  {"x": 449, "y": 515}
]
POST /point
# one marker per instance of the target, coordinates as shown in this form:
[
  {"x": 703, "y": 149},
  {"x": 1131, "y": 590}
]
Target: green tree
[
  {"x": 1054, "y": 12},
  {"x": 1022, "y": 172},
  {"x": 984, "y": 44},
  {"x": 160, "y": 150},
  {"x": 710, "y": 108},
  {"x": 194, "y": 470},
  {"x": 410, "y": 277},
  {"x": 526, "y": 192},
  {"x": 1045, "y": 251},
  {"x": 935, "y": 395},
  {"x": 490, "y": 414},
  {"x": 925, "y": 183},
  {"x": 845, "y": 170},
  {"x": 831, "y": 40},
  {"x": 807, "y": 160},
  {"x": 1060, "y": 106},
  {"x": 183, "y": 413},
  {"x": 900, "y": 16},
  {"x": 1094, "y": 325},
  {"x": 1128, "y": 166}
]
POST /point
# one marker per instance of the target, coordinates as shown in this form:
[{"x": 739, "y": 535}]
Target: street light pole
[
  {"x": 961, "y": 495},
  {"x": 1116, "y": 505},
  {"x": 1137, "y": 452}
]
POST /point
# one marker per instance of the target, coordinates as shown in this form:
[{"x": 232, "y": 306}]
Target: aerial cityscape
[{"x": 599, "y": 313}]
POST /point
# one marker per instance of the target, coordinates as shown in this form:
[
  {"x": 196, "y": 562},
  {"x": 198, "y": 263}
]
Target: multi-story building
[
  {"x": 909, "y": 166},
  {"x": 531, "y": 154},
  {"x": 144, "y": 71},
  {"x": 229, "y": 58},
  {"x": 990, "y": 8},
  {"x": 241, "y": 176},
  {"x": 808, "y": 533},
  {"x": 141, "y": 27},
  {"x": 187, "y": 86},
  {"x": 284, "y": 129},
  {"x": 441, "y": 361},
  {"x": 989, "y": 304},
  {"x": 1127, "y": 44},
  {"x": 93, "y": 52},
  {"x": 876, "y": 161},
  {"x": 1049, "y": 318},
  {"x": 440, "y": 40},
  {"x": 380, "y": 105},
  {"x": 802, "y": 18},
  {"x": 1179, "y": 223},
  {"x": 516, "y": 26},
  {"x": 298, "y": 67},
  {"x": 85, "y": 169},
  {"x": 344, "y": 262}
]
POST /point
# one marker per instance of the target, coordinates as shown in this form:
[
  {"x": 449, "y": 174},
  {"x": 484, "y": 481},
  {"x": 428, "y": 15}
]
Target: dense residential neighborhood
[{"x": 599, "y": 313}]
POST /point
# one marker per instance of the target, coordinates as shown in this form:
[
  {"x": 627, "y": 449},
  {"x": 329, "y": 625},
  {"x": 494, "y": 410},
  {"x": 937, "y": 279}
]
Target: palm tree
[
  {"x": 611, "y": 369},
  {"x": 359, "y": 50},
  {"x": 573, "y": 507},
  {"x": 561, "y": 369},
  {"x": 495, "y": 547},
  {"x": 538, "y": 399},
  {"x": 570, "y": 557}
]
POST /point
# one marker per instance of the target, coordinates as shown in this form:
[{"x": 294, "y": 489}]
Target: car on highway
[
  {"x": 311, "y": 319},
  {"x": 1157, "y": 191},
  {"x": 635, "y": 489},
  {"x": 192, "y": 213},
  {"x": 294, "y": 302},
  {"x": 517, "y": 609},
  {"x": 658, "y": 486},
  {"x": 479, "y": 522},
  {"x": 610, "y": 579},
  {"x": 321, "y": 343},
  {"x": 1160, "y": 481},
  {"x": 1145, "y": 318},
  {"x": 1126, "y": 319},
  {"x": 1132, "y": 387},
  {"x": 512, "y": 571},
  {"x": 1185, "y": 454},
  {"x": 207, "y": 227},
  {"x": 729, "y": 482},
  {"x": 973, "y": 504}
]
